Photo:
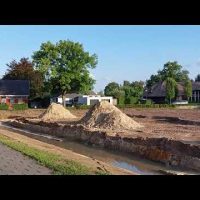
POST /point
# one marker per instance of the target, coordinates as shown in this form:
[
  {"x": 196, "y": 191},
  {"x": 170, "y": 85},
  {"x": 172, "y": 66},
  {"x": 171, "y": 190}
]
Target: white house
[
  {"x": 91, "y": 99},
  {"x": 78, "y": 99}
]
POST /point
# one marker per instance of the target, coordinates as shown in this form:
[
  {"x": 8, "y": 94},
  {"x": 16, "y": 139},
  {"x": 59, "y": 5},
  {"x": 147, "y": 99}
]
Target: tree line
[
  {"x": 171, "y": 74},
  {"x": 64, "y": 67}
]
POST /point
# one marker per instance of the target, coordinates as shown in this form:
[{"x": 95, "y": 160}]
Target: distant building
[
  {"x": 14, "y": 91},
  {"x": 79, "y": 99},
  {"x": 157, "y": 93}
]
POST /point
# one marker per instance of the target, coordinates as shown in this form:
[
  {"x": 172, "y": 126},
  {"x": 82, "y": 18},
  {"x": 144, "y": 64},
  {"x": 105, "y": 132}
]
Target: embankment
[{"x": 170, "y": 152}]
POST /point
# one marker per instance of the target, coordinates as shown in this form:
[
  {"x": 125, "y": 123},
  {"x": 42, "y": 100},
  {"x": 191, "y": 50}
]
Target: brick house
[{"x": 14, "y": 91}]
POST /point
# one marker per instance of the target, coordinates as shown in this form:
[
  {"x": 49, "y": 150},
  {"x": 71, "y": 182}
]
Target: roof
[
  {"x": 73, "y": 95},
  {"x": 14, "y": 87},
  {"x": 195, "y": 85},
  {"x": 159, "y": 90}
]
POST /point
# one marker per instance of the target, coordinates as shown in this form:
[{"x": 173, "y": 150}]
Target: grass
[{"x": 59, "y": 164}]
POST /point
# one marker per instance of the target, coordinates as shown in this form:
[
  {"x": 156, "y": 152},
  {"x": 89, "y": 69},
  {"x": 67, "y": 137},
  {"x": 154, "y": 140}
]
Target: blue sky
[{"x": 124, "y": 52}]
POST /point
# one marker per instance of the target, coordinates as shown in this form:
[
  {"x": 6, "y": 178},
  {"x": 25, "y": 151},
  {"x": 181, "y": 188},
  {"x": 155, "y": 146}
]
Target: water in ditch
[{"x": 115, "y": 158}]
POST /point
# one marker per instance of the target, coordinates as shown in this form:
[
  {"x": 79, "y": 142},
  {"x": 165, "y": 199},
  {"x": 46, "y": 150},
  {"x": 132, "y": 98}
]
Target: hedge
[
  {"x": 23, "y": 106},
  {"x": 121, "y": 100},
  {"x": 15, "y": 106},
  {"x": 3, "y": 107},
  {"x": 146, "y": 106}
]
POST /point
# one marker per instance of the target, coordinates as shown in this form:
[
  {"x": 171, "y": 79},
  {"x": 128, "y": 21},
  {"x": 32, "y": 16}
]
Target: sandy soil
[
  {"x": 90, "y": 162},
  {"x": 157, "y": 122}
]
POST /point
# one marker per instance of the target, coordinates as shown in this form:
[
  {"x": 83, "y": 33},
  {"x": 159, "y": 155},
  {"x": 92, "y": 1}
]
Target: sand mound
[
  {"x": 56, "y": 112},
  {"x": 107, "y": 116}
]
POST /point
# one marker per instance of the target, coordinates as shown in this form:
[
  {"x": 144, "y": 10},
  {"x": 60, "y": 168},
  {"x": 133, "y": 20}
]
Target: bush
[
  {"x": 133, "y": 100},
  {"x": 146, "y": 106},
  {"x": 3, "y": 106},
  {"x": 23, "y": 106},
  {"x": 121, "y": 100}
]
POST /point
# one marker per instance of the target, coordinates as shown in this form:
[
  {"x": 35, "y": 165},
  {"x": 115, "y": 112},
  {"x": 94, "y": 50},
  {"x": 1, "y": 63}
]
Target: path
[{"x": 15, "y": 163}]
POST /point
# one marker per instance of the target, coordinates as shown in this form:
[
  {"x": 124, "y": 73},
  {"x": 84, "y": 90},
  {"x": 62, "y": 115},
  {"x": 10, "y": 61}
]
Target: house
[
  {"x": 69, "y": 98},
  {"x": 14, "y": 91},
  {"x": 91, "y": 99},
  {"x": 80, "y": 99},
  {"x": 195, "y": 92},
  {"x": 157, "y": 93}
]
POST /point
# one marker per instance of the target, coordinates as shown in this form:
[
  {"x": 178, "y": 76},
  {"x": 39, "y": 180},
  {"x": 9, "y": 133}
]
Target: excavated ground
[{"x": 170, "y": 136}]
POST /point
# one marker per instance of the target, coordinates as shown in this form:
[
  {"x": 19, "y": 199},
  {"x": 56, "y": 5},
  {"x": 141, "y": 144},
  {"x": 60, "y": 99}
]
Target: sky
[{"x": 125, "y": 52}]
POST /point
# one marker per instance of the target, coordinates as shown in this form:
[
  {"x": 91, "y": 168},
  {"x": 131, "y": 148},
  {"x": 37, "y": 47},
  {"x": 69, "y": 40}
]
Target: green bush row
[
  {"x": 146, "y": 106},
  {"x": 23, "y": 106},
  {"x": 3, "y": 106},
  {"x": 15, "y": 106}
]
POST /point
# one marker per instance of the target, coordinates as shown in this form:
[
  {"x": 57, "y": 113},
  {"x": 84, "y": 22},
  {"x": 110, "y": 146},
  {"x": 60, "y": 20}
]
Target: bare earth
[
  {"x": 15, "y": 163},
  {"x": 68, "y": 154},
  {"x": 156, "y": 122}
]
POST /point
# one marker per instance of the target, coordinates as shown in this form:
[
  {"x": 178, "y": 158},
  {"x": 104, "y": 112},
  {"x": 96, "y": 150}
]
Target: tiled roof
[{"x": 14, "y": 87}]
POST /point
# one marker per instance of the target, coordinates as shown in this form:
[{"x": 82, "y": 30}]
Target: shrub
[
  {"x": 23, "y": 106},
  {"x": 121, "y": 100},
  {"x": 3, "y": 106}
]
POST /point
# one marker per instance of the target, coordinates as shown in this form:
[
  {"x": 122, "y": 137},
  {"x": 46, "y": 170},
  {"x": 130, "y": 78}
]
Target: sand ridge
[
  {"x": 104, "y": 115},
  {"x": 56, "y": 112}
]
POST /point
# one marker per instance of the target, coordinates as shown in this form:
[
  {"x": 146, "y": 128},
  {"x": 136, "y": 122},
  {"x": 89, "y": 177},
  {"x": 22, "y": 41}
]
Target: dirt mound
[
  {"x": 56, "y": 112},
  {"x": 107, "y": 116}
]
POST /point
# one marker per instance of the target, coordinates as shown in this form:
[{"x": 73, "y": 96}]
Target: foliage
[
  {"x": 65, "y": 66},
  {"x": 125, "y": 91},
  {"x": 170, "y": 70},
  {"x": 170, "y": 88},
  {"x": 131, "y": 100},
  {"x": 188, "y": 88},
  {"x": 146, "y": 106},
  {"x": 23, "y": 70},
  {"x": 23, "y": 106},
  {"x": 111, "y": 89},
  {"x": 121, "y": 100},
  {"x": 59, "y": 164},
  {"x": 3, "y": 106}
]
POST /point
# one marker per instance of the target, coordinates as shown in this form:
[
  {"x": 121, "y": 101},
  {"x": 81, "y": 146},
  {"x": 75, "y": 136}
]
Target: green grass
[{"x": 57, "y": 163}]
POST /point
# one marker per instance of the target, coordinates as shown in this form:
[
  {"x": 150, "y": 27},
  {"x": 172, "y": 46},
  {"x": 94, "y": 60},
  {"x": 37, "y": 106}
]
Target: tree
[
  {"x": 170, "y": 70},
  {"x": 101, "y": 93},
  {"x": 111, "y": 89},
  {"x": 65, "y": 66},
  {"x": 170, "y": 88},
  {"x": 24, "y": 70},
  {"x": 188, "y": 88},
  {"x": 197, "y": 79}
]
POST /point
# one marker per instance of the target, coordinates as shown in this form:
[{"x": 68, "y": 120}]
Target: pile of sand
[
  {"x": 104, "y": 115},
  {"x": 56, "y": 112}
]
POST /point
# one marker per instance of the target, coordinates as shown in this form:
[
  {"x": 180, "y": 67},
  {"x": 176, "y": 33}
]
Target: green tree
[
  {"x": 170, "y": 70},
  {"x": 111, "y": 89},
  {"x": 65, "y": 66},
  {"x": 188, "y": 89},
  {"x": 170, "y": 88},
  {"x": 24, "y": 70}
]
